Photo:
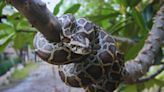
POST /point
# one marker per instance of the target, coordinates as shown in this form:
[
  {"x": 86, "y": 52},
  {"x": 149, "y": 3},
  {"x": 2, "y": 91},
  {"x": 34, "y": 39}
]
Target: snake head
[{"x": 78, "y": 44}]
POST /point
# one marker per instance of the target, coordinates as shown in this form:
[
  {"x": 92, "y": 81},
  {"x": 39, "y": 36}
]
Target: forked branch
[{"x": 140, "y": 65}]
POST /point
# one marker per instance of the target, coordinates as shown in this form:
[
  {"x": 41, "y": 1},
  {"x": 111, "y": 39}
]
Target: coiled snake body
[{"x": 87, "y": 56}]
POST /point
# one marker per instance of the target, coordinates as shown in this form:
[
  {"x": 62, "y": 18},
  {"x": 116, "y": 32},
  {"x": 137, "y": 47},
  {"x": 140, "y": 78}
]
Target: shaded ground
[{"x": 44, "y": 79}]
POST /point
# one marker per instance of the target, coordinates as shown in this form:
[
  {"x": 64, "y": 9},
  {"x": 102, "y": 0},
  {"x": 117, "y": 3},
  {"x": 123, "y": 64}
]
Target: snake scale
[{"x": 87, "y": 56}]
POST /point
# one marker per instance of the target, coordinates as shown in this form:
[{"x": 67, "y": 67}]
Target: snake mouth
[
  {"x": 77, "y": 47},
  {"x": 80, "y": 50}
]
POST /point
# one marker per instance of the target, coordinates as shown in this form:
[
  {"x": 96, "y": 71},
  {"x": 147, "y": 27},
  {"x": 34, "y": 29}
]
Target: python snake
[{"x": 87, "y": 56}]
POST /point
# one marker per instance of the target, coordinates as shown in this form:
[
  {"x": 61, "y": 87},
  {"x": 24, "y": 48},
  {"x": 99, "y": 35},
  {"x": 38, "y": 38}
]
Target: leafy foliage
[
  {"x": 73, "y": 9},
  {"x": 11, "y": 30},
  {"x": 27, "y": 39},
  {"x": 57, "y": 7},
  {"x": 7, "y": 64}
]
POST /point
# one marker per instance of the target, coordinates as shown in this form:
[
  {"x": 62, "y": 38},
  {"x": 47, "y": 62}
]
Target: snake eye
[{"x": 72, "y": 46}]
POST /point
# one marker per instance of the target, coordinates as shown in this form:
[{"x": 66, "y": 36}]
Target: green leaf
[
  {"x": 152, "y": 82},
  {"x": 133, "y": 51},
  {"x": 2, "y": 47},
  {"x": 98, "y": 18},
  {"x": 160, "y": 76},
  {"x": 133, "y": 3},
  {"x": 159, "y": 82},
  {"x": 148, "y": 13},
  {"x": 6, "y": 32},
  {"x": 140, "y": 87},
  {"x": 23, "y": 39},
  {"x": 140, "y": 21},
  {"x": 149, "y": 84},
  {"x": 14, "y": 19},
  {"x": 73, "y": 9},
  {"x": 4, "y": 26},
  {"x": 57, "y": 7},
  {"x": 2, "y": 5},
  {"x": 5, "y": 41},
  {"x": 120, "y": 24},
  {"x": 23, "y": 24},
  {"x": 131, "y": 88}
]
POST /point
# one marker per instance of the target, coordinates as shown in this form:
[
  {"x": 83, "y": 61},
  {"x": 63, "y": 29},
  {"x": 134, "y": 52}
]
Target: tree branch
[
  {"x": 40, "y": 17},
  {"x": 137, "y": 67},
  {"x": 151, "y": 76}
]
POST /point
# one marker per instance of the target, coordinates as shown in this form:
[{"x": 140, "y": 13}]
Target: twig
[
  {"x": 151, "y": 76},
  {"x": 137, "y": 67},
  {"x": 161, "y": 63}
]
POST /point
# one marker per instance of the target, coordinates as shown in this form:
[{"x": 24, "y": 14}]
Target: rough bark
[
  {"x": 42, "y": 19},
  {"x": 140, "y": 65}
]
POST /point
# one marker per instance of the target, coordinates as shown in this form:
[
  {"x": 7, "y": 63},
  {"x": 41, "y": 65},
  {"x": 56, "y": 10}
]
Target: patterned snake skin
[{"x": 87, "y": 56}]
